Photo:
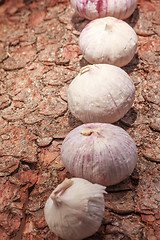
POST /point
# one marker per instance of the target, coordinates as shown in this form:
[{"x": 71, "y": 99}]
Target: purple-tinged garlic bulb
[
  {"x": 99, "y": 152},
  {"x": 75, "y": 209},
  {"x": 108, "y": 40},
  {"x": 92, "y": 9},
  {"x": 101, "y": 93}
]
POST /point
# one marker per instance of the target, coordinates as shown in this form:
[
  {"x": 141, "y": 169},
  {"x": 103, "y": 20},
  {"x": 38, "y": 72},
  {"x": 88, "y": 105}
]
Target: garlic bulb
[
  {"x": 100, "y": 93},
  {"x": 99, "y": 152},
  {"x": 108, "y": 40},
  {"x": 92, "y": 9},
  {"x": 75, "y": 209}
]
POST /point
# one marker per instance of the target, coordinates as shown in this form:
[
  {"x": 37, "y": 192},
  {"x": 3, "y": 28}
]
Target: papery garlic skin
[
  {"x": 75, "y": 209},
  {"x": 108, "y": 40},
  {"x": 92, "y": 9},
  {"x": 101, "y": 93},
  {"x": 99, "y": 152}
]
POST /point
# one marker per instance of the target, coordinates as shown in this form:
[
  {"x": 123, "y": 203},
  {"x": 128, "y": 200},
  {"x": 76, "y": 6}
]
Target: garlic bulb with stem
[
  {"x": 92, "y": 9},
  {"x": 75, "y": 209},
  {"x": 99, "y": 152},
  {"x": 108, "y": 40},
  {"x": 101, "y": 93}
]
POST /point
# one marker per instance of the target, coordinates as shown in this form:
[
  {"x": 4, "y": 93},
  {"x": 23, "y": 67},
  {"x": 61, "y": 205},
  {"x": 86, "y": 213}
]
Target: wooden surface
[{"x": 39, "y": 57}]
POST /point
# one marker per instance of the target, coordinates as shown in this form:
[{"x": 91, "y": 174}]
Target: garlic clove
[
  {"x": 99, "y": 152},
  {"x": 101, "y": 93},
  {"x": 75, "y": 209},
  {"x": 108, "y": 40},
  {"x": 93, "y": 9}
]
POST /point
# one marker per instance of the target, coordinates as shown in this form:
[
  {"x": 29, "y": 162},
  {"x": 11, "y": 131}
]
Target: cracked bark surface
[{"x": 39, "y": 57}]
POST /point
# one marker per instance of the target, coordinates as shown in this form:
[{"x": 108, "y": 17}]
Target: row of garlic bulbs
[{"x": 97, "y": 153}]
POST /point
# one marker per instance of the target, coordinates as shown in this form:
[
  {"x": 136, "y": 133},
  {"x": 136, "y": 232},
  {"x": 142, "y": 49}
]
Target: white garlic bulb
[
  {"x": 75, "y": 209},
  {"x": 108, "y": 40},
  {"x": 99, "y": 152},
  {"x": 101, "y": 93},
  {"x": 92, "y": 9}
]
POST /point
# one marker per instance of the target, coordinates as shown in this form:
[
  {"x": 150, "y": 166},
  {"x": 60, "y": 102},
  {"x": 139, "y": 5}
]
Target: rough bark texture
[{"x": 39, "y": 57}]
